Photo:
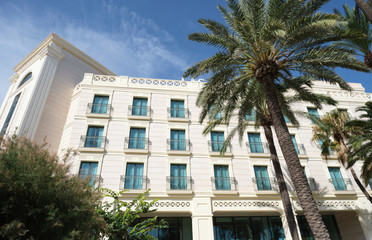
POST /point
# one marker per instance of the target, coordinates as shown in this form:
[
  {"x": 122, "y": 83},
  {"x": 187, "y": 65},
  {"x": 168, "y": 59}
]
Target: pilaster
[{"x": 202, "y": 219}]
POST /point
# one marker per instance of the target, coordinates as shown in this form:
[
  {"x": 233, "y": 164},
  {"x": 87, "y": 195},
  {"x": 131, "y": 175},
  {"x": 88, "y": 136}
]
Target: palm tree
[
  {"x": 332, "y": 125},
  {"x": 366, "y": 8},
  {"x": 361, "y": 143},
  {"x": 274, "y": 42},
  {"x": 358, "y": 22}
]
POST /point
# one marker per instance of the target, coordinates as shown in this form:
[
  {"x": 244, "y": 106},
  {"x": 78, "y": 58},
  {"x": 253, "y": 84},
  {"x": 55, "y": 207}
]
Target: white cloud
[{"x": 127, "y": 43}]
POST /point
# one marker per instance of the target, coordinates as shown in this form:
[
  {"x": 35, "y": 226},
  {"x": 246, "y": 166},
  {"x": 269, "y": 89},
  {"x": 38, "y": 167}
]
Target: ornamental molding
[
  {"x": 220, "y": 205},
  {"x": 332, "y": 204}
]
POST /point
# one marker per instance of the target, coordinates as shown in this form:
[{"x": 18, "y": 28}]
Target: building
[{"x": 138, "y": 134}]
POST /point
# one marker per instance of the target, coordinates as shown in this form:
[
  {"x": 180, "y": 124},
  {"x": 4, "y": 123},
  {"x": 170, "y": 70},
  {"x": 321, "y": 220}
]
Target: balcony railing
[
  {"x": 313, "y": 185},
  {"x": 141, "y": 111},
  {"x": 178, "y": 112},
  {"x": 92, "y": 141},
  {"x": 300, "y": 149},
  {"x": 258, "y": 147},
  {"x": 97, "y": 108},
  {"x": 94, "y": 180},
  {"x": 179, "y": 183},
  {"x": 178, "y": 145},
  {"x": 216, "y": 146},
  {"x": 136, "y": 143},
  {"x": 342, "y": 184},
  {"x": 265, "y": 184},
  {"x": 133, "y": 182},
  {"x": 223, "y": 183}
]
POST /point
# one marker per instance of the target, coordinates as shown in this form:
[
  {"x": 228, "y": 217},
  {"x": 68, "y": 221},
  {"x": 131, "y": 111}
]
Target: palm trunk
[
  {"x": 366, "y": 9},
  {"x": 282, "y": 186},
  {"x": 360, "y": 185},
  {"x": 298, "y": 177}
]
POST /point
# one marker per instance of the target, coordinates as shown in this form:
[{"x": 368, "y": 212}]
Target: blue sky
[{"x": 139, "y": 38}]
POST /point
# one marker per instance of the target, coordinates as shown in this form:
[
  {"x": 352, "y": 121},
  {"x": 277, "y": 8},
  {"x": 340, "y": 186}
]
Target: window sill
[
  {"x": 136, "y": 151},
  {"x": 259, "y": 155},
  {"x": 133, "y": 191},
  {"x": 344, "y": 192},
  {"x": 217, "y": 154},
  {"x": 138, "y": 117},
  {"x": 266, "y": 192},
  {"x": 178, "y": 152},
  {"x": 98, "y": 115},
  {"x": 178, "y": 119},
  {"x": 91, "y": 149},
  {"x": 179, "y": 192},
  {"x": 225, "y": 192}
]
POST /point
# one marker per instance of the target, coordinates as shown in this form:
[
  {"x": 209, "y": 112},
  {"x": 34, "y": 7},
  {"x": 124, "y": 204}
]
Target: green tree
[
  {"x": 361, "y": 143},
  {"x": 123, "y": 219},
  {"x": 39, "y": 199},
  {"x": 332, "y": 134},
  {"x": 277, "y": 42}
]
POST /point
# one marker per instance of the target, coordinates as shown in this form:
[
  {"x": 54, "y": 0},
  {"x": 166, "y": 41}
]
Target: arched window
[{"x": 25, "y": 79}]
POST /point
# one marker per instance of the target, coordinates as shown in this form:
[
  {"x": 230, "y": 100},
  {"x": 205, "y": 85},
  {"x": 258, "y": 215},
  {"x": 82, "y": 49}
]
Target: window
[
  {"x": 251, "y": 116},
  {"x": 88, "y": 170},
  {"x": 94, "y": 137},
  {"x": 337, "y": 180},
  {"x": 178, "y": 141},
  {"x": 177, "y": 109},
  {"x": 217, "y": 116},
  {"x": 262, "y": 178},
  {"x": 10, "y": 114},
  {"x": 217, "y": 140},
  {"x": 139, "y": 107},
  {"x": 100, "y": 104},
  {"x": 178, "y": 176},
  {"x": 329, "y": 222},
  {"x": 137, "y": 138},
  {"x": 370, "y": 183},
  {"x": 134, "y": 176},
  {"x": 293, "y": 138},
  {"x": 255, "y": 143},
  {"x": 313, "y": 112},
  {"x": 222, "y": 179},
  {"x": 25, "y": 79},
  {"x": 286, "y": 119}
]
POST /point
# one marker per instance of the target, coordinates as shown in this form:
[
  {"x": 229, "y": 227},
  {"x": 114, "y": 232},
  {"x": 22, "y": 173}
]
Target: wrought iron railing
[
  {"x": 178, "y": 112},
  {"x": 179, "y": 183},
  {"x": 223, "y": 183},
  {"x": 342, "y": 184},
  {"x": 98, "y": 108},
  {"x": 92, "y": 141},
  {"x": 142, "y": 111},
  {"x": 94, "y": 180},
  {"x": 216, "y": 146},
  {"x": 265, "y": 184},
  {"x": 133, "y": 182},
  {"x": 258, "y": 147},
  {"x": 136, "y": 143},
  {"x": 178, "y": 145}
]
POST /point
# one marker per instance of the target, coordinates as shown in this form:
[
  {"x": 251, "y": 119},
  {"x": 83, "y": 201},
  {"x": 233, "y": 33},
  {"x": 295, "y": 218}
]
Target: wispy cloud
[{"x": 120, "y": 39}]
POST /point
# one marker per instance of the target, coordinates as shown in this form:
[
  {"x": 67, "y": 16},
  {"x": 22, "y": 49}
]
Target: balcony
[
  {"x": 92, "y": 143},
  {"x": 178, "y": 147},
  {"x": 134, "y": 183},
  {"x": 99, "y": 110},
  {"x": 265, "y": 185},
  {"x": 224, "y": 185},
  {"x": 94, "y": 180},
  {"x": 258, "y": 149},
  {"x": 215, "y": 148},
  {"x": 342, "y": 185},
  {"x": 139, "y": 112},
  {"x": 179, "y": 185},
  {"x": 178, "y": 114},
  {"x": 136, "y": 145}
]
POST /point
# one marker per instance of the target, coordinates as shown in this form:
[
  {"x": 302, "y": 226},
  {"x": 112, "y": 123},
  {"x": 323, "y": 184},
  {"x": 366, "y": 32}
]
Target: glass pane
[
  {"x": 314, "y": 112},
  {"x": 223, "y": 229},
  {"x": 222, "y": 179},
  {"x": 88, "y": 169},
  {"x": 178, "y": 141},
  {"x": 134, "y": 176},
  {"x": 217, "y": 139},
  {"x": 262, "y": 178},
  {"x": 293, "y": 138},
  {"x": 139, "y": 107},
  {"x": 94, "y": 137},
  {"x": 260, "y": 228},
  {"x": 100, "y": 104},
  {"x": 337, "y": 179},
  {"x": 178, "y": 176},
  {"x": 329, "y": 221},
  {"x": 255, "y": 143},
  {"x": 10, "y": 114},
  {"x": 276, "y": 228},
  {"x": 177, "y": 108},
  {"x": 137, "y": 138}
]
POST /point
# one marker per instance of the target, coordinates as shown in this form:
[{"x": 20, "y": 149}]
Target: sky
[{"x": 137, "y": 38}]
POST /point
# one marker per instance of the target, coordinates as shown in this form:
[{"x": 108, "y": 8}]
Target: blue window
[
  {"x": 218, "y": 115},
  {"x": 251, "y": 116},
  {"x": 370, "y": 183},
  {"x": 88, "y": 170},
  {"x": 217, "y": 140},
  {"x": 94, "y": 137},
  {"x": 178, "y": 176},
  {"x": 262, "y": 178},
  {"x": 286, "y": 119},
  {"x": 134, "y": 176},
  {"x": 313, "y": 112},
  {"x": 10, "y": 114},
  {"x": 100, "y": 104},
  {"x": 293, "y": 138},
  {"x": 139, "y": 107},
  {"x": 338, "y": 181},
  {"x": 329, "y": 221},
  {"x": 137, "y": 138},
  {"x": 178, "y": 141},
  {"x": 25, "y": 79},
  {"x": 177, "y": 109},
  {"x": 222, "y": 179},
  {"x": 255, "y": 143}
]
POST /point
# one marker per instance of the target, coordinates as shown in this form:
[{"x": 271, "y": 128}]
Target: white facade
[{"x": 56, "y": 103}]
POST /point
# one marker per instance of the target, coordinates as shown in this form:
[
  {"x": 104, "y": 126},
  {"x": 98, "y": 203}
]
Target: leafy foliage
[
  {"x": 39, "y": 199},
  {"x": 123, "y": 219}
]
